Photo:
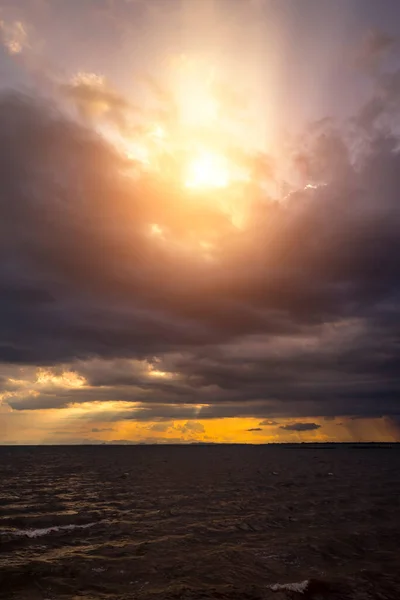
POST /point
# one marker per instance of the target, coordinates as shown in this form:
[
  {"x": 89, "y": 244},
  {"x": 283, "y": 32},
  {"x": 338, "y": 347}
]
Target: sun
[
  {"x": 192, "y": 142},
  {"x": 207, "y": 170}
]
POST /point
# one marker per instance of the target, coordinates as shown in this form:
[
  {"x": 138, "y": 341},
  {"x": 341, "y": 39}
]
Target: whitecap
[{"x": 34, "y": 533}]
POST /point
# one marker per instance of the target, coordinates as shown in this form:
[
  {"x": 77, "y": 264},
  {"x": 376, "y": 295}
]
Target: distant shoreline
[{"x": 286, "y": 445}]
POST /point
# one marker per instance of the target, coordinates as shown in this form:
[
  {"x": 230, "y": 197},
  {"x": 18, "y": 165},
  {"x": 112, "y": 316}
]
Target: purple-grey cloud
[
  {"x": 97, "y": 430},
  {"x": 296, "y": 316},
  {"x": 300, "y": 427}
]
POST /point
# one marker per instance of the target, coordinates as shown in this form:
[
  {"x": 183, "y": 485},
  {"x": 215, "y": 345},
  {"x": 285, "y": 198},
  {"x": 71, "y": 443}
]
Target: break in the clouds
[
  {"x": 94, "y": 97},
  {"x": 116, "y": 287}
]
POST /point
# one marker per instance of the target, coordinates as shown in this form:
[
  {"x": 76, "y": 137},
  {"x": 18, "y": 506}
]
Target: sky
[{"x": 199, "y": 221}]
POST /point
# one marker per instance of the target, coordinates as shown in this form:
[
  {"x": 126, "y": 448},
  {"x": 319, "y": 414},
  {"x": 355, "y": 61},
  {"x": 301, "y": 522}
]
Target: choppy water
[{"x": 199, "y": 522}]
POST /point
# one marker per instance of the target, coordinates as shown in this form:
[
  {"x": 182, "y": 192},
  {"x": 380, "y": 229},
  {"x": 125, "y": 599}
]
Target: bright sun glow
[
  {"x": 190, "y": 144},
  {"x": 207, "y": 170}
]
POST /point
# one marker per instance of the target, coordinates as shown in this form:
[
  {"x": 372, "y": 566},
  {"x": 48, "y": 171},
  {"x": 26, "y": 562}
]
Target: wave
[{"x": 34, "y": 533}]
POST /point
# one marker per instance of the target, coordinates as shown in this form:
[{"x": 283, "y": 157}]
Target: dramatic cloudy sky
[{"x": 199, "y": 220}]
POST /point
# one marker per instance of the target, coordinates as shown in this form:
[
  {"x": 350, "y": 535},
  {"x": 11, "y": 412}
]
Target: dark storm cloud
[
  {"x": 300, "y": 427},
  {"x": 315, "y": 278}
]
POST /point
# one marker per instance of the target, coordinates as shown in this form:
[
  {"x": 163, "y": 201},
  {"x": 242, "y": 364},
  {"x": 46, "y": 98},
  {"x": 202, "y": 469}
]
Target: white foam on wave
[{"x": 34, "y": 533}]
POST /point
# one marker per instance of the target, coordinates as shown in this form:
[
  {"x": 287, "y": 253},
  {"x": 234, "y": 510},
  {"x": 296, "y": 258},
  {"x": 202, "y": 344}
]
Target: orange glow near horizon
[{"x": 90, "y": 423}]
